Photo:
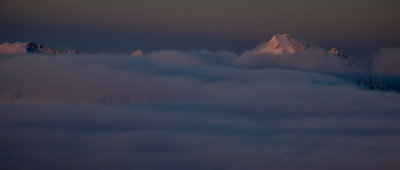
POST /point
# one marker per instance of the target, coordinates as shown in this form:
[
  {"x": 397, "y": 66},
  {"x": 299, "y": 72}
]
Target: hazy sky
[{"x": 122, "y": 25}]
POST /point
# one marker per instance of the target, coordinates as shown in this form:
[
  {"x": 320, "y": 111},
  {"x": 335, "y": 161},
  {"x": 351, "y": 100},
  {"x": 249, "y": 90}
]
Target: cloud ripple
[{"x": 122, "y": 112}]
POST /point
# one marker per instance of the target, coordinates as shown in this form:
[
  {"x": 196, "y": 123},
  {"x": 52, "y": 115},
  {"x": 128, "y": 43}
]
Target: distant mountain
[
  {"x": 281, "y": 44},
  {"x": 338, "y": 53},
  {"x": 285, "y": 45},
  {"x": 31, "y": 47},
  {"x": 367, "y": 80},
  {"x": 137, "y": 53}
]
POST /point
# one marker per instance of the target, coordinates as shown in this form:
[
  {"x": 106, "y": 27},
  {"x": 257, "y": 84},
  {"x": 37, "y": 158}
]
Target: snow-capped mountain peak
[
  {"x": 137, "y": 53},
  {"x": 13, "y": 48},
  {"x": 281, "y": 44}
]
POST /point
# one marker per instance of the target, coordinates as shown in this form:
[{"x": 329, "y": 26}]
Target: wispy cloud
[{"x": 387, "y": 61}]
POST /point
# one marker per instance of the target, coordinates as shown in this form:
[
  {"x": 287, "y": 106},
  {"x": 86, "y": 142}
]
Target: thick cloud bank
[
  {"x": 313, "y": 60},
  {"x": 190, "y": 110}
]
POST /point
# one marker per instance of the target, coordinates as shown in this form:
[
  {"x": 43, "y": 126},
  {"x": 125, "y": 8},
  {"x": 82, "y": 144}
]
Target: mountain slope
[{"x": 281, "y": 44}]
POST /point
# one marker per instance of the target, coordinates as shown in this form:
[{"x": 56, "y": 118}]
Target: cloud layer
[
  {"x": 191, "y": 110},
  {"x": 387, "y": 61}
]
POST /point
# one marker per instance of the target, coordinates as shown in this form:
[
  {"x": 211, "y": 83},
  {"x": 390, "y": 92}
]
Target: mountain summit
[
  {"x": 281, "y": 44},
  {"x": 137, "y": 53},
  {"x": 31, "y": 47}
]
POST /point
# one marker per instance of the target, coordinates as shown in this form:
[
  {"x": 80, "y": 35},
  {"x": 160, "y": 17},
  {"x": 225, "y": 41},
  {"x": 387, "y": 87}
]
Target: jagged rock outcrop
[
  {"x": 338, "y": 53},
  {"x": 31, "y": 47}
]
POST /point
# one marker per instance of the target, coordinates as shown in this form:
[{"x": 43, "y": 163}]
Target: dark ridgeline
[{"x": 32, "y": 47}]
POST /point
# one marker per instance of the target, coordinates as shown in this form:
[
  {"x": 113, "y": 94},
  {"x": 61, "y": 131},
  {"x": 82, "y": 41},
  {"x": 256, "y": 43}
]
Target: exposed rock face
[
  {"x": 283, "y": 44},
  {"x": 377, "y": 84},
  {"x": 31, "y": 47},
  {"x": 336, "y": 52}
]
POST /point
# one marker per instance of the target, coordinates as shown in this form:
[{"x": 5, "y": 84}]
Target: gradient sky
[{"x": 356, "y": 26}]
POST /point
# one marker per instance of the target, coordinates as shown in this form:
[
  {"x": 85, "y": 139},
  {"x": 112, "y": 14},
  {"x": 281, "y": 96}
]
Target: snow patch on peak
[
  {"x": 13, "y": 48},
  {"x": 281, "y": 44},
  {"x": 137, "y": 53}
]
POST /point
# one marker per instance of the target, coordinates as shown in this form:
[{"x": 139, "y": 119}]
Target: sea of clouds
[{"x": 196, "y": 110}]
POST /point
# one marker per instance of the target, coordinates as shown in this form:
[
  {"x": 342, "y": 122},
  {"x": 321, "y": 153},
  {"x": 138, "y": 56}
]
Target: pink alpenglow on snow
[
  {"x": 31, "y": 47},
  {"x": 137, "y": 53},
  {"x": 281, "y": 44},
  {"x": 13, "y": 48}
]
